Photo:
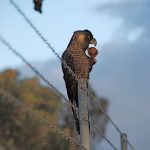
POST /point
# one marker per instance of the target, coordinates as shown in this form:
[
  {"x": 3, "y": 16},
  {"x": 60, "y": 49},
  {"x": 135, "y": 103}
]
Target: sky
[
  {"x": 57, "y": 23},
  {"x": 122, "y": 71}
]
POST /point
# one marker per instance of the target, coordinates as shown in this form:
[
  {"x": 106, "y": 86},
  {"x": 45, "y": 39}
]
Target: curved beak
[{"x": 93, "y": 41}]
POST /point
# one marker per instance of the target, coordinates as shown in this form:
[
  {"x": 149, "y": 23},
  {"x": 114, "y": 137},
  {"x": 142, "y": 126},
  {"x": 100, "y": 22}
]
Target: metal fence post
[
  {"x": 123, "y": 141},
  {"x": 83, "y": 108}
]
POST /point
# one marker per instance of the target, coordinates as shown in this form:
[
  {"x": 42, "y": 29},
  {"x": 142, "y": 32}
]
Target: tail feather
[
  {"x": 76, "y": 120},
  {"x": 76, "y": 117},
  {"x": 72, "y": 91}
]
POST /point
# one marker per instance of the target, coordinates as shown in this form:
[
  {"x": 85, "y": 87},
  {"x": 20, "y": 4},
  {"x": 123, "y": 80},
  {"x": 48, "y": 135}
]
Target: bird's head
[{"x": 84, "y": 38}]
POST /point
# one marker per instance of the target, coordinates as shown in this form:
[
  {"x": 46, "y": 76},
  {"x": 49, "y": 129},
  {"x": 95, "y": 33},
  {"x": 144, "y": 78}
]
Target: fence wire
[
  {"x": 63, "y": 61},
  {"x": 65, "y": 64},
  {"x": 6, "y": 97},
  {"x": 51, "y": 86},
  {"x": 130, "y": 145}
]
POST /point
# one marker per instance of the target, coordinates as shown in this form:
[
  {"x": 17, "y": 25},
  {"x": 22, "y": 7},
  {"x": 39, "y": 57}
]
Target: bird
[
  {"x": 81, "y": 65},
  {"x": 38, "y": 5}
]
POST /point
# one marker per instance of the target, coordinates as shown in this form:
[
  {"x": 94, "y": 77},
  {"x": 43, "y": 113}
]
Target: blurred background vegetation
[
  {"x": 19, "y": 131},
  {"x": 121, "y": 74}
]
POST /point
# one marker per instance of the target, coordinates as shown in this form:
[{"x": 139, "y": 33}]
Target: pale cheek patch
[{"x": 81, "y": 38}]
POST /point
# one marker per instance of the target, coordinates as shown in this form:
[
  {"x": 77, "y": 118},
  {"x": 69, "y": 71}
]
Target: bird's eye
[{"x": 89, "y": 37}]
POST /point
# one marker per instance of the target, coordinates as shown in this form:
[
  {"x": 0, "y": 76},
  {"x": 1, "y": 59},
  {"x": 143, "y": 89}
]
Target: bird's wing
[{"x": 71, "y": 83}]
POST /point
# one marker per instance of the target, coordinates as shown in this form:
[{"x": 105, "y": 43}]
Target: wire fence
[
  {"x": 90, "y": 94},
  {"x": 52, "y": 87},
  {"x": 63, "y": 61},
  {"x": 6, "y": 97}
]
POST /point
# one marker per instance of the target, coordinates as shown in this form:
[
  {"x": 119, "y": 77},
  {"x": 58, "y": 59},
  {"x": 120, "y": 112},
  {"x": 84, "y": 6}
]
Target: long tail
[
  {"x": 72, "y": 91},
  {"x": 76, "y": 117}
]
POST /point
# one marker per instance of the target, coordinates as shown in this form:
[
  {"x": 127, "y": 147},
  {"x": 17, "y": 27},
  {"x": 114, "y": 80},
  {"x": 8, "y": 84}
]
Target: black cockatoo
[{"x": 80, "y": 64}]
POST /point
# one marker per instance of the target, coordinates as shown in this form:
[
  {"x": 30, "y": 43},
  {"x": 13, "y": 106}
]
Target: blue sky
[
  {"x": 57, "y": 23},
  {"x": 122, "y": 71}
]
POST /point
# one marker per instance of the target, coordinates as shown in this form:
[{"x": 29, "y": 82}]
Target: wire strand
[
  {"x": 101, "y": 133},
  {"x": 43, "y": 119},
  {"x": 107, "y": 117},
  {"x": 36, "y": 71},
  {"x": 130, "y": 145},
  {"x": 45, "y": 80},
  {"x": 63, "y": 61}
]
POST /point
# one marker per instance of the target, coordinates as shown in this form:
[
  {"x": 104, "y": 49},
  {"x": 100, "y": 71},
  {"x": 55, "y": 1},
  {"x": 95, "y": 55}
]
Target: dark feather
[
  {"x": 80, "y": 64},
  {"x": 38, "y": 5}
]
